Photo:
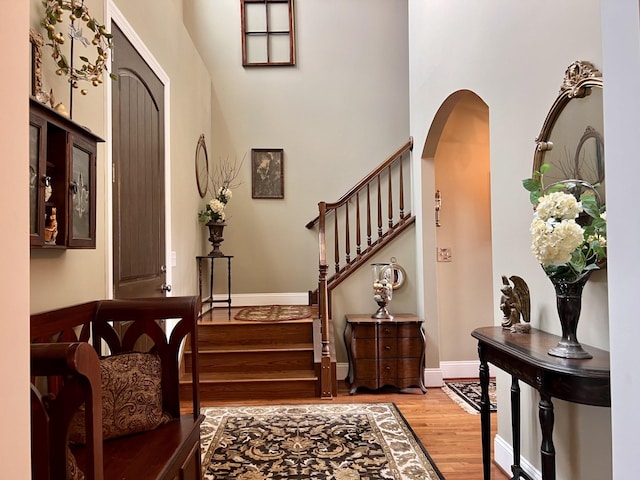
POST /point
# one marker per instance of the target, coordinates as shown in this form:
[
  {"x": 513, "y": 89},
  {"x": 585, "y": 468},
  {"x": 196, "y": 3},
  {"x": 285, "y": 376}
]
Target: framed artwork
[{"x": 267, "y": 174}]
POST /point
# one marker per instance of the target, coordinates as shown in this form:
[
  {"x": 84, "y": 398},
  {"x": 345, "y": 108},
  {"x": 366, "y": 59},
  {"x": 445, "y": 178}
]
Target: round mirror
[{"x": 571, "y": 140}]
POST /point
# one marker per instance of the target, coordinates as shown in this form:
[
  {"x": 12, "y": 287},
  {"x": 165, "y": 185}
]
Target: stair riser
[
  {"x": 254, "y": 391},
  {"x": 252, "y": 361},
  {"x": 258, "y": 334}
]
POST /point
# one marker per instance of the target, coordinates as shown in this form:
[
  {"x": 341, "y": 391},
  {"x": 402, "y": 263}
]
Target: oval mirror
[
  {"x": 571, "y": 140},
  {"x": 202, "y": 166}
]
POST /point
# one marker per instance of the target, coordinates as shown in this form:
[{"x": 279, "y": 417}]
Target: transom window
[{"x": 267, "y": 32}]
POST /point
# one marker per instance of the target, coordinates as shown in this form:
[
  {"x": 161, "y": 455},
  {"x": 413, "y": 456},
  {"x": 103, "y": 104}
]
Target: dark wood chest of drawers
[{"x": 385, "y": 352}]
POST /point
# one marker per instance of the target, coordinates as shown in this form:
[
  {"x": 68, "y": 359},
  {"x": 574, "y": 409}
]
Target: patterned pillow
[
  {"x": 131, "y": 397},
  {"x": 73, "y": 472}
]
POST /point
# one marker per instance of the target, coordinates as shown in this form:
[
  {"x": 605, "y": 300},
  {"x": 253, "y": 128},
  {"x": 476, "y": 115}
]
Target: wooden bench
[{"x": 67, "y": 371}]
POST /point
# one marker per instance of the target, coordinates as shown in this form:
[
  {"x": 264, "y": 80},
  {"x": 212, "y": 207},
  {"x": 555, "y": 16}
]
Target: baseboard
[
  {"x": 503, "y": 455},
  {"x": 255, "y": 299},
  {"x": 342, "y": 370},
  {"x": 433, "y": 377}
]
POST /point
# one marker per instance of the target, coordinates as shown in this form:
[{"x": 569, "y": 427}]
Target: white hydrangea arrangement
[
  {"x": 569, "y": 227},
  {"x": 214, "y": 210},
  {"x": 222, "y": 181}
]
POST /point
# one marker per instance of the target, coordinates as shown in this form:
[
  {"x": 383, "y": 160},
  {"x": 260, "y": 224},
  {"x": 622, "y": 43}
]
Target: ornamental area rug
[
  {"x": 370, "y": 441},
  {"x": 466, "y": 393},
  {"x": 274, "y": 313}
]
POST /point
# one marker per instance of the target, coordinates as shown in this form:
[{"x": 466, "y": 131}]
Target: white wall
[
  {"x": 14, "y": 252},
  {"x": 621, "y": 52},
  {"x": 512, "y": 55}
]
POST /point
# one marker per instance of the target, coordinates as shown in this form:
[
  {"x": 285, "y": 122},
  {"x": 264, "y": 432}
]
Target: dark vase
[
  {"x": 569, "y": 303},
  {"x": 215, "y": 237}
]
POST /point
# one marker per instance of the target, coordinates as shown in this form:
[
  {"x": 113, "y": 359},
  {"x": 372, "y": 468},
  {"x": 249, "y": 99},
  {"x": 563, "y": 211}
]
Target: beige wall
[
  {"x": 14, "y": 251},
  {"x": 513, "y": 63},
  {"x": 517, "y": 71},
  {"x": 72, "y": 276},
  {"x": 337, "y": 114}
]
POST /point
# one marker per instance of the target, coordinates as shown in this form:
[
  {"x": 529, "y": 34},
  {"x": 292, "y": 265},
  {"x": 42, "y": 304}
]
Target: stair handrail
[
  {"x": 362, "y": 183},
  {"x": 324, "y": 208}
]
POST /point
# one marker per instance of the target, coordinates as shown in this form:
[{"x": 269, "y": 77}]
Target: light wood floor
[{"x": 450, "y": 435}]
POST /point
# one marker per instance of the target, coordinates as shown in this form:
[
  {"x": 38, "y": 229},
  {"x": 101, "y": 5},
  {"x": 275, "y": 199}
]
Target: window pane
[
  {"x": 34, "y": 181},
  {"x": 255, "y": 17},
  {"x": 279, "y": 48},
  {"x": 256, "y": 48},
  {"x": 81, "y": 199},
  {"x": 278, "y": 17}
]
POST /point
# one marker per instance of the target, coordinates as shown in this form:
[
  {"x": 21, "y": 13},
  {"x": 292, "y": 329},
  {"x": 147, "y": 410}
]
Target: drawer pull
[
  {"x": 387, "y": 347},
  {"x": 387, "y": 368},
  {"x": 387, "y": 330}
]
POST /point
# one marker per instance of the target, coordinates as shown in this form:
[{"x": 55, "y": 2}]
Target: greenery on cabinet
[{"x": 62, "y": 181}]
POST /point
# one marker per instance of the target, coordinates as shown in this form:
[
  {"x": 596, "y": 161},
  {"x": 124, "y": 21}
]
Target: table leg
[
  {"x": 547, "y": 450},
  {"x": 515, "y": 426},
  {"x": 199, "y": 260},
  {"x": 229, "y": 286},
  {"x": 212, "y": 305},
  {"x": 485, "y": 415}
]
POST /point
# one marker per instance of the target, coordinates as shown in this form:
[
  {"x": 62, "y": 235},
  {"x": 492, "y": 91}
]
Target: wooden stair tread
[
  {"x": 202, "y": 322},
  {"x": 248, "y": 348},
  {"x": 237, "y": 377}
]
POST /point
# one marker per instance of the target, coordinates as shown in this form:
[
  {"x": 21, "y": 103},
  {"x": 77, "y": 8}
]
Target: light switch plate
[{"x": 444, "y": 254}]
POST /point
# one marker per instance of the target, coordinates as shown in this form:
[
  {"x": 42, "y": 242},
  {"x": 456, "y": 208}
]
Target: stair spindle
[
  {"x": 347, "y": 237},
  {"x": 401, "y": 190},
  {"x": 379, "y": 208},
  {"x": 336, "y": 241},
  {"x": 368, "y": 216},
  {"x": 358, "y": 249},
  {"x": 390, "y": 199}
]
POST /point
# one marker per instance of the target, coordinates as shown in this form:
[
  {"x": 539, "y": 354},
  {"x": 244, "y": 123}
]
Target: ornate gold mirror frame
[
  {"x": 571, "y": 139},
  {"x": 37, "y": 44}
]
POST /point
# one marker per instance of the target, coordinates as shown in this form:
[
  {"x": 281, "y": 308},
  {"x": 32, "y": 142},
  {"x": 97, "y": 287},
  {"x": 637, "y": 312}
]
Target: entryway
[{"x": 457, "y": 218}]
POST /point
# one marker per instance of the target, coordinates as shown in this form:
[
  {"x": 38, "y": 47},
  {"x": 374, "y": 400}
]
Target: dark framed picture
[{"x": 267, "y": 174}]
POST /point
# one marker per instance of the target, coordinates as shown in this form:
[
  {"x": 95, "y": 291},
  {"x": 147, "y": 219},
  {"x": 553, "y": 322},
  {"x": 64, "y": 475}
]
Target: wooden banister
[
  {"x": 407, "y": 147},
  {"x": 369, "y": 192}
]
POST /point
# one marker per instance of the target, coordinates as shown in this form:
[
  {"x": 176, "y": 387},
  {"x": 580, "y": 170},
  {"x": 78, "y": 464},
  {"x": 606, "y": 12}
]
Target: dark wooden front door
[{"x": 138, "y": 174}]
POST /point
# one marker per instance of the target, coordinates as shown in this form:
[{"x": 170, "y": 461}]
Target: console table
[
  {"x": 385, "y": 352},
  {"x": 208, "y": 300},
  {"x": 525, "y": 357}
]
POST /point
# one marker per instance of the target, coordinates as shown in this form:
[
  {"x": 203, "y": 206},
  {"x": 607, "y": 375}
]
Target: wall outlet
[
  {"x": 174, "y": 260},
  {"x": 444, "y": 254}
]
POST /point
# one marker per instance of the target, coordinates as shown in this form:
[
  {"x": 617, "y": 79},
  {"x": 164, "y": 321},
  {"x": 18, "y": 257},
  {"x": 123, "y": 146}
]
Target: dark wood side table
[
  {"x": 208, "y": 301},
  {"x": 525, "y": 357},
  {"x": 385, "y": 352}
]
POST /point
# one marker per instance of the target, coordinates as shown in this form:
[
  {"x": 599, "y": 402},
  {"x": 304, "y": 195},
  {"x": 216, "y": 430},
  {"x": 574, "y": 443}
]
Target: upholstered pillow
[
  {"x": 73, "y": 472},
  {"x": 131, "y": 397}
]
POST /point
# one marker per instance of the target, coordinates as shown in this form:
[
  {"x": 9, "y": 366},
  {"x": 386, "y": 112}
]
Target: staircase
[
  {"x": 256, "y": 360},
  {"x": 266, "y": 361}
]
